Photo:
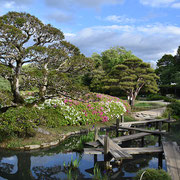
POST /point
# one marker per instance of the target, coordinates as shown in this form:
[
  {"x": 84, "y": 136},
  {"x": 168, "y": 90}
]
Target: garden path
[{"x": 148, "y": 114}]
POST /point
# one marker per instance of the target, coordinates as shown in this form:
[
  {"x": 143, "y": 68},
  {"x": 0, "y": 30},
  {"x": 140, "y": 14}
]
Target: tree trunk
[
  {"x": 43, "y": 87},
  {"x": 15, "y": 85}
]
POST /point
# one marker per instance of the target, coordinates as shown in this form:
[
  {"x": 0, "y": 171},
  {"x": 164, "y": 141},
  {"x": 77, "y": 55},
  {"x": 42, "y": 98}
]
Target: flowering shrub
[{"x": 93, "y": 108}]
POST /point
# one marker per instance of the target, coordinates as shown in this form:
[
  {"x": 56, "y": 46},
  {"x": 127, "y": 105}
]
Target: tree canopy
[
  {"x": 131, "y": 76},
  {"x": 168, "y": 68},
  {"x": 25, "y": 39}
]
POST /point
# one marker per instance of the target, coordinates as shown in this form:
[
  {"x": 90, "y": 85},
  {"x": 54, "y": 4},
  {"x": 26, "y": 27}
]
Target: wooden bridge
[{"x": 104, "y": 145}]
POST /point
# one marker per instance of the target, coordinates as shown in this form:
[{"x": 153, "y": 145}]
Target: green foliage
[
  {"x": 152, "y": 174},
  {"x": 130, "y": 77},
  {"x": 174, "y": 109},
  {"x": 84, "y": 139},
  {"x": 19, "y": 121},
  {"x": 98, "y": 175},
  {"x": 5, "y": 98},
  {"x": 4, "y": 85},
  {"x": 152, "y": 97},
  {"x": 114, "y": 56},
  {"x": 168, "y": 68}
]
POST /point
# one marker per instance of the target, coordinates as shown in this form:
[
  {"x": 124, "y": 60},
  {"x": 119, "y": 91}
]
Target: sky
[{"x": 149, "y": 28}]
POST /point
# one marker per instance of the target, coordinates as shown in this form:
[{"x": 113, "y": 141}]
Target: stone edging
[{"x": 47, "y": 145}]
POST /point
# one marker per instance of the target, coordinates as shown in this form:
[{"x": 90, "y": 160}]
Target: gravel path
[{"x": 149, "y": 114}]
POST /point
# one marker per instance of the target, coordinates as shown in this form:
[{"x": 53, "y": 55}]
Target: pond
[{"x": 49, "y": 164}]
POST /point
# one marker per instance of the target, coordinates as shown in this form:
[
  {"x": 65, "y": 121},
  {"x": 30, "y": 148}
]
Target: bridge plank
[{"x": 172, "y": 156}]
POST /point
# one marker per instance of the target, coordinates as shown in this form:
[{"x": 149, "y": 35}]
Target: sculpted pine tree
[
  {"x": 20, "y": 32},
  {"x": 131, "y": 76}
]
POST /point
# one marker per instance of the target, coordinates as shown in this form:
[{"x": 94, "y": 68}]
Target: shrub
[
  {"x": 152, "y": 174},
  {"x": 18, "y": 121},
  {"x": 5, "y": 98},
  {"x": 103, "y": 108},
  {"x": 152, "y": 97},
  {"x": 174, "y": 108}
]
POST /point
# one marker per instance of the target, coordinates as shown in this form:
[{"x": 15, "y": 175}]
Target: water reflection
[
  {"x": 48, "y": 164},
  {"x": 26, "y": 166}
]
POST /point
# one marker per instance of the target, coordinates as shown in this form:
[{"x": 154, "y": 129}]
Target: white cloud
[
  {"x": 157, "y": 3},
  {"x": 9, "y": 5},
  {"x": 60, "y": 17},
  {"x": 120, "y": 19},
  {"x": 176, "y": 5},
  {"x": 149, "y": 42},
  {"x": 67, "y": 35}
]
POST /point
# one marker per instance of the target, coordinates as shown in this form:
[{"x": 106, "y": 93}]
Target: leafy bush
[
  {"x": 153, "y": 97},
  {"x": 4, "y": 85},
  {"x": 53, "y": 113},
  {"x": 103, "y": 108},
  {"x": 174, "y": 108},
  {"x": 5, "y": 98},
  {"x": 18, "y": 121},
  {"x": 152, "y": 174}
]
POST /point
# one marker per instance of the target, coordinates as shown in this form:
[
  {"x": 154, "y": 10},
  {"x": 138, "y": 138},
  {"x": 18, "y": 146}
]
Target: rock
[
  {"x": 27, "y": 148},
  {"x": 45, "y": 145},
  {"x": 41, "y": 130},
  {"x": 54, "y": 143},
  {"x": 34, "y": 147}
]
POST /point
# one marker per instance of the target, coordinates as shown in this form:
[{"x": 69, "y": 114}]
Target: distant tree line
[{"x": 168, "y": 69}]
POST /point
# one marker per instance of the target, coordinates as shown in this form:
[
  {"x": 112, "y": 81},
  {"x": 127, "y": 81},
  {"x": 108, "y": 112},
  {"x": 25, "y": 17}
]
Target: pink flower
[
  {"x": 101, "y": 108},
  {"x": 65, "y": 101},
  {"x": 94, "y": 112},
  {"x": 105, "y": 119},
  {"x": 101, "y": 113},
  {"x": 70, "y": 100},
  {"x": 86, "y": 114},
  {"x": 70, "y": 105},
  {"x": 88, "y": 105}
]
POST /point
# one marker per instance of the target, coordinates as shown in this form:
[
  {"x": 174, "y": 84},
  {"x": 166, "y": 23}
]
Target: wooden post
[
  {"x": 169, "y": 124},
  {"x": 95, "y": 159},
  {"x": 142, "y": 142},
  {"x": 117, "y": 127},
  {"x": 157, "y": 125},
  {"x": 159, "y": 140},
  {"x": 122, "y": 119},
  {"x": 160, "y": 159},
  {"x": 96, "y": 134},
  {"x": 106, "y": 145},
  {"x": 160, "y": 126}
]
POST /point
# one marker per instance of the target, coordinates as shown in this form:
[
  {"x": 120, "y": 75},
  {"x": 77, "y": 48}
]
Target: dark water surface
[{"x": 48, "y": 164}]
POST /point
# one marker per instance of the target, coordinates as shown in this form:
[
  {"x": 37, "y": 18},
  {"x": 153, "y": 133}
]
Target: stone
[
  {"x": 41, "y": 130},
  {"x": 27, "y": 148},
  {"x": 45, "y": 145},
  {"x": 34, "y": 147},
  {"x": 54, "y": 143}
]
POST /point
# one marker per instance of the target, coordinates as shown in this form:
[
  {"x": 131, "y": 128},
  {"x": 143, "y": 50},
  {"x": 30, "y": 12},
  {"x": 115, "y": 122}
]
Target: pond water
[{"x": 49, "y": 164}]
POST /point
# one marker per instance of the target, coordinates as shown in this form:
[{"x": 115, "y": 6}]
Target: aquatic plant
[{"x": 98, "y": 175}]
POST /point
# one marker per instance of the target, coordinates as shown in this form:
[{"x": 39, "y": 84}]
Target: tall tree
[
  {"x": 114, "y": 56},
  {"x": 131, "y": 76},
  {"x": 18, "y": 33},
  {"x": 166, "y": 69}
]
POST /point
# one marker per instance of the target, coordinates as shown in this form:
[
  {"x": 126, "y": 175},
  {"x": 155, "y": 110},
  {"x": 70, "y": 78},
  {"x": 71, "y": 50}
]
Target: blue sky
[{"x": 149, "y": 28}]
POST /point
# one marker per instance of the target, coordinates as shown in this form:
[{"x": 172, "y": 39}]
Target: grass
[{"x": 141, "y": 106}]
